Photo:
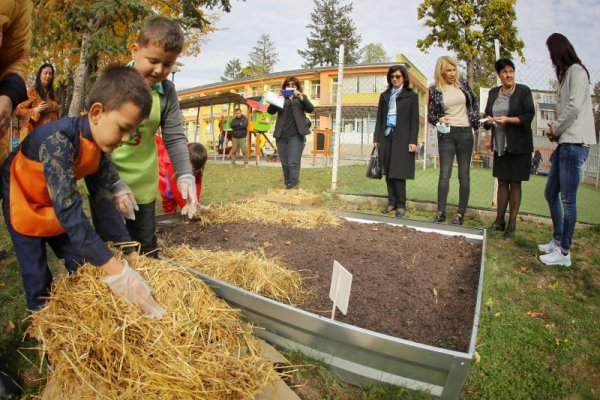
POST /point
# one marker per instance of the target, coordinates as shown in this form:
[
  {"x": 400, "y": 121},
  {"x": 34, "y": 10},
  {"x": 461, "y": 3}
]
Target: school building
[{"x": 205, "y": 108}]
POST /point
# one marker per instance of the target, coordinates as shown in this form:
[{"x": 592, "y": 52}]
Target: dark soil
[{"x": 408, "y": 284}]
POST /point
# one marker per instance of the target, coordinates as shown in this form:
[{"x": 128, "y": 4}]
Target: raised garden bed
[{"x": 414, "y": 301}]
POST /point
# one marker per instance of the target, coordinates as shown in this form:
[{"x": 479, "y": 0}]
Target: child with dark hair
[
  {"x": 42, "y": 205},
  {"x": 154, "y": 55},
  {"x": 167, "y": 180}
]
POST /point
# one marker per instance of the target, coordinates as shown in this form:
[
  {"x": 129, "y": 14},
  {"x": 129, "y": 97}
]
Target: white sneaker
[
  {"x": 556, "y": 258},
  {"x": 548, "y": 247}
]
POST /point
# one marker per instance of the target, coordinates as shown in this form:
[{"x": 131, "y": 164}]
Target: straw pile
[
  {"x": 247, "y": 270},
  {"x": 299, "y": 194},
  {"x": 265, "y": 212},
  {"x": 101, "y": 346}
]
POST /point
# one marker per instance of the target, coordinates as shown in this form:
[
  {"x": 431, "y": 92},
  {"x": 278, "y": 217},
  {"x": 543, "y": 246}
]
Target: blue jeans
[
  {"x": 459, "y": 142},
  {"x": 565, "y": 173},
  {"x": 290, "y": 153}
]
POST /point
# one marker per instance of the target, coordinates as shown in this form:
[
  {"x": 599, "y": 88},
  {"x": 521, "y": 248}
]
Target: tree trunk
[
  {"x": 470, "y": 73},
  {"x": 79, "y": 78}
]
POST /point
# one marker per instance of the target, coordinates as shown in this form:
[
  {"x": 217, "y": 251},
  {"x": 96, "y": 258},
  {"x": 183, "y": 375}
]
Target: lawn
[
  {"x": 424, "y": 188},
  {"x": 539, "y": 333}
]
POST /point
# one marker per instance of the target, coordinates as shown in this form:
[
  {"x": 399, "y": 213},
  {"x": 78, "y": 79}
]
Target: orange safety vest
[{"x": 31, "y": 211}]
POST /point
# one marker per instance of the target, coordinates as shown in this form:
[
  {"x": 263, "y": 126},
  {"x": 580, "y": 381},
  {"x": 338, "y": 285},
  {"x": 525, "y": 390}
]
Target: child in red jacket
[{"x": 167, "y": 181}]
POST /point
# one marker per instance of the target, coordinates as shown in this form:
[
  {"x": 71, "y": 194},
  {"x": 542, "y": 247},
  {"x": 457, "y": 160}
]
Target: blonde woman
[{"x": 453, "y": 109}]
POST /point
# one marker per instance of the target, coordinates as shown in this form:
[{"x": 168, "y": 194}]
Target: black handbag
[{"x": 375, "y": 168}]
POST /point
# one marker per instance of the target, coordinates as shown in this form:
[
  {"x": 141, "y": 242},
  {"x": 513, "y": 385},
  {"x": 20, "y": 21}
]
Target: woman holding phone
[{"x": 290, "y": 129}]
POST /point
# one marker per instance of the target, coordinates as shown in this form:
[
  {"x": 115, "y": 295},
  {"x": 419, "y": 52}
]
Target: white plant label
[{"x": 339, "y": 292}]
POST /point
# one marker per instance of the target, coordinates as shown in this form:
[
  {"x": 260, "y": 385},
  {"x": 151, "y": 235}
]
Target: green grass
[
  {"x": 424, "y": 188},
  {"x": 555, "y": 355}
]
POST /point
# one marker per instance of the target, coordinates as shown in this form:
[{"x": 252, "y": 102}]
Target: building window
[
  {"x": 315, "y": 90},
  {"x": 548, "y": 115},
  {"x": 350, "y": 85},
  {"x": 547, "y": 98},
  {"x": 365, "y": 84},
  {"x": 334, "y": 89},
  {"x": 241, "y": 91},
  {"x": 256, "y": 91}
]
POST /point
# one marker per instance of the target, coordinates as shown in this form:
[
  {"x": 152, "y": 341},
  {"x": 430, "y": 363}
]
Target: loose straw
[
  {"x": 103, "y": 347},
  {"x": 265, "y": 212},
  {"x": 251, "y": 271}
]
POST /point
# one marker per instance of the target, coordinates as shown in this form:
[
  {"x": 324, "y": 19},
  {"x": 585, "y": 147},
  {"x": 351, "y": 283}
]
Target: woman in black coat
[
  {"x": 509, "y": 112},
  {"x": 291, "y": 129},
  {"x": 396, "y": 133}
]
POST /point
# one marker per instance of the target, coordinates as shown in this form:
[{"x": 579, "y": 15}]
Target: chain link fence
[{"x": 360, "y": 94}]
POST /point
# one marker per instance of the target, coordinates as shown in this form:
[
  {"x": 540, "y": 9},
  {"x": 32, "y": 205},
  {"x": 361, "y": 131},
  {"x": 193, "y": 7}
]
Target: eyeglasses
[{"x": 396, "y": 76}]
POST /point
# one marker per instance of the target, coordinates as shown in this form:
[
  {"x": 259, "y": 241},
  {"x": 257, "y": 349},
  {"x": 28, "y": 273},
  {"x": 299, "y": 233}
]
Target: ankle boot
[
  {"x": 510, "y": 229},
  {"x": 458, "y": 220},
  {"x": 388, "y": 209},
  {"x": 439, "y": 217},
  {"x": 498, "y": 225}
]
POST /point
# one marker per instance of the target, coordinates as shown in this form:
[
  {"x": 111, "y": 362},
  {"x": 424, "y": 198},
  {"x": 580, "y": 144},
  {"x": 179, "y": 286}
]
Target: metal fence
[{"x": 358, "y": 122}]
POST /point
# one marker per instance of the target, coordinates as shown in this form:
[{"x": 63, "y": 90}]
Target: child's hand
[
  {"x": 129, "y": 283},
  {"x": 187, "y": 187},
  {"x": 124, "y": 200}
]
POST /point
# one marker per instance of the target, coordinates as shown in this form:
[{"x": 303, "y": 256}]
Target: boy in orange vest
[{"x": 41, "y": 203}]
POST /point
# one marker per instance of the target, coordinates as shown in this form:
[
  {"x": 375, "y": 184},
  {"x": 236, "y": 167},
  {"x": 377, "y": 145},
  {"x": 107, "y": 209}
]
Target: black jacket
[
  {"x": 239, "y": 127},
  {"x": 401, "y": 162},
  {"x": 298, "y": 108},
  {"x": 519, "y": 138}
]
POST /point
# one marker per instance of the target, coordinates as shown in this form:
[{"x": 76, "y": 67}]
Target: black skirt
[{"x": 512, "y": 167}]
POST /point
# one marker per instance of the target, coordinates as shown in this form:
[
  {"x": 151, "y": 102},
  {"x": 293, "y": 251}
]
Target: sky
[{"x": 392, "y": 23}]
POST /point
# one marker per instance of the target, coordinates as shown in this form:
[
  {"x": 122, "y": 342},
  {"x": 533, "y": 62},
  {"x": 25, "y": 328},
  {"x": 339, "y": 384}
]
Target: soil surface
[{"x": 412, "y": 285}]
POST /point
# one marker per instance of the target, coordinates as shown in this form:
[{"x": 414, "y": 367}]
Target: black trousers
[
  {"x": 459, "y": 143},
  {"x": 396, "y": 192},
  {"x": 290, "y": 153},
  {"x": 142, "y": 229}
]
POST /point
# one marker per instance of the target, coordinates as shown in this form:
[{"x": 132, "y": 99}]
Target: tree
[
  {"x": 233, "y": 70},
  {"x": 263, "y": 57},
  {"x": 373, "y": 53},
  {"x": 331, "y": 26},
  {"x": 81, "y": 36},
  {"x": 469, "y": 27}
]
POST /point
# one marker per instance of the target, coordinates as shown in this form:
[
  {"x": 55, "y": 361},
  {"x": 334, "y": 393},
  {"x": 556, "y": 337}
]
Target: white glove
[
  {"x": 130, "y": 284},
  {"x": 186, "y": 184},
  {"x": 124, "y": 200}
]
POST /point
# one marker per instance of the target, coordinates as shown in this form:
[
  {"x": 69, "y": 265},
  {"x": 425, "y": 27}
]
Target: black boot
[
  {"x": 510, "y": 229},
  {"x": 498, "y": 225},
  {"x": 458, "y": 220},
  {"x": 439, "y": 217},
  {"x": 388, "y": 209},
  {"x": 9, "y": 389}
]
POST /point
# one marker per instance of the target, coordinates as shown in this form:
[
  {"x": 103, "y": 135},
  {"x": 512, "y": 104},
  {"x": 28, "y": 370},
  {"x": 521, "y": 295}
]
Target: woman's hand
[
  {"x": 42, "y": 107},
  {"x": 412, "y": 148},
  {"x": 375, "y": 144},
  {"x": 6, "y": 109},
  {"x": 445, "y": 120},
  {"x": 550, "y": 134},
  {"x": 489, "y": 119},
  {"x": 298, "y": 94},
  {"x": 502, "y": 119}
]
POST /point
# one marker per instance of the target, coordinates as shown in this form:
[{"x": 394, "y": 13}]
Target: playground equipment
[{"x": 259, "y": 123}]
